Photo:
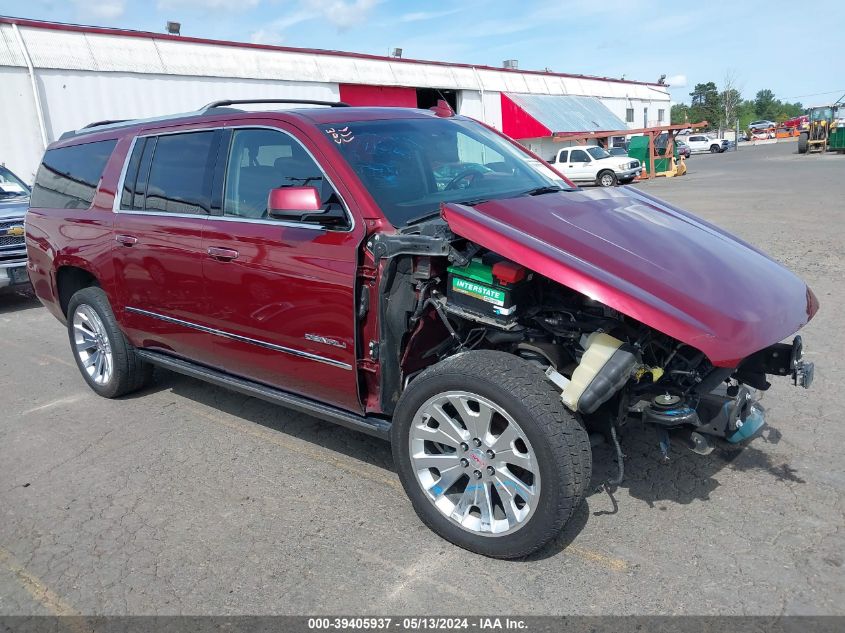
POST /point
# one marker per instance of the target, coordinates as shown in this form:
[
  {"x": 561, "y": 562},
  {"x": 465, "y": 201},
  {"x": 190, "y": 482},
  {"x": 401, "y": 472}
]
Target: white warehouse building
[{"x": 60, "y": 77}]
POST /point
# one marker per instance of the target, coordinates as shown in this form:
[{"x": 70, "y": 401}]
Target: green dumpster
[{"x": 638, "y": 148}]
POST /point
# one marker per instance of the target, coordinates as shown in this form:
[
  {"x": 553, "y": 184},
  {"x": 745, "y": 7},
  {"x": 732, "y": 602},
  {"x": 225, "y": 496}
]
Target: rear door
[
  {"x": 162, "y": 208},
  {"x": 282, "y": 293}
]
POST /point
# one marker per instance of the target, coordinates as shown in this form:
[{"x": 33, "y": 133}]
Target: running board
[{"x": 366, "y": 424}]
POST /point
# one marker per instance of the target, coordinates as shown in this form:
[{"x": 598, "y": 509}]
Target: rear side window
[
  {"x": 68, "y": 176},
  {"x": 180, "y": 173},
  {"x": 171, "y": 173}
]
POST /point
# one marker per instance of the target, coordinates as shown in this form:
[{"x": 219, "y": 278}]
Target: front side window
[
  {"x": 261, "y": 160},
  {"x": 579, "y": 156},
  {"x": 68, "y": 176},
  {"x": 412, "y": 166}
]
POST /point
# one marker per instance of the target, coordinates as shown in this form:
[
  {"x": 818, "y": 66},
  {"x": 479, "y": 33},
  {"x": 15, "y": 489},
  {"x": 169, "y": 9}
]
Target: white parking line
[{"x": 55, "y": 403}]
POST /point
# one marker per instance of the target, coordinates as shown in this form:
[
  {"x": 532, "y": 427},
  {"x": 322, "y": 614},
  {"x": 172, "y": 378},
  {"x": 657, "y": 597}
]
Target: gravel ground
[{"x": 187, "y": 499}]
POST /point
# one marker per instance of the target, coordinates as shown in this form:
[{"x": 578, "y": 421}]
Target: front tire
[
  {"x": 606, "y": 179},
  {"x": 803, "y": 142},
  {"x": 488, "y": 455},
  {"x": 106, "y": 360}
]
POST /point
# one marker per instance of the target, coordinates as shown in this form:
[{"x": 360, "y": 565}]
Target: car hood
[
  {"x": 649, "y": 260},
  {"x": 13, "y": 208}
]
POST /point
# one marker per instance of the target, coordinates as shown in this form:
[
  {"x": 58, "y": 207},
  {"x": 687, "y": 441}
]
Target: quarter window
[
  {"x": 261, "y": 160},
  {"x": 68, "y": 176}
]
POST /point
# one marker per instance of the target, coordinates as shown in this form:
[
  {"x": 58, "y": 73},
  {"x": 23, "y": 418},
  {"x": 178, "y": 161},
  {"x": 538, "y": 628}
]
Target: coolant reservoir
[{"x": 605, "y": 367}]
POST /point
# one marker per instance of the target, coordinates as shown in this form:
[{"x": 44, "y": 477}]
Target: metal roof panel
[{"x": 568, "y": 113}]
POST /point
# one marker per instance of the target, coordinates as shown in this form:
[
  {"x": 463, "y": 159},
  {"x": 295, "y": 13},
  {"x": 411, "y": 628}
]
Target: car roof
[{"x": 312, "y": 115}]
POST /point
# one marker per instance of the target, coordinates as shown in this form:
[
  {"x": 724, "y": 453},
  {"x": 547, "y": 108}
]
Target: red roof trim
[{"x": 103, "y": 30}]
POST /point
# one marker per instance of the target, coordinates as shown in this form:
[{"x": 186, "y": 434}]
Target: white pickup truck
[{"x": 593, "y": 164}]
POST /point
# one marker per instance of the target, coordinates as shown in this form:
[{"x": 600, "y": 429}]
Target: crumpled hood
[{"x": 649, "y": 260}]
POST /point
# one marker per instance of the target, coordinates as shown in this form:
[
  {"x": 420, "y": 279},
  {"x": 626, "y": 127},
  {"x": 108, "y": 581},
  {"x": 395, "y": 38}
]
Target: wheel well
[
  {"x": 605, "y": 171},
  {"x": 70, "y": 280}
]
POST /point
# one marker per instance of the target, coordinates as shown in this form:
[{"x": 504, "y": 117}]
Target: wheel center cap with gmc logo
[{"x": 477, "y": 458}]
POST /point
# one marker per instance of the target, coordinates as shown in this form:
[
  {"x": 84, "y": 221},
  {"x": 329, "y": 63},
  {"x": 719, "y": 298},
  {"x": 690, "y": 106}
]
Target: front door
[
  {"x": 282, "y": 293},
  {"x": 579, "y": 165},
  {"x": 163, "y": 208}
]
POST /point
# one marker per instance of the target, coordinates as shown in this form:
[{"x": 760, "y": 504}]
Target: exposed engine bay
[{"x": 445, "y": 295}]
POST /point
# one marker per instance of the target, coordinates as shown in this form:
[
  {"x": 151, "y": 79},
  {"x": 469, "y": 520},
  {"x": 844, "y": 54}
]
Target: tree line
[{"x": 722, "y": 108}]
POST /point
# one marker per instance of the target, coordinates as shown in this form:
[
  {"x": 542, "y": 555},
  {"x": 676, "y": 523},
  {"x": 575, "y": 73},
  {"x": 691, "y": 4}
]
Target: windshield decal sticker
[{"x": 343, "y": 135}]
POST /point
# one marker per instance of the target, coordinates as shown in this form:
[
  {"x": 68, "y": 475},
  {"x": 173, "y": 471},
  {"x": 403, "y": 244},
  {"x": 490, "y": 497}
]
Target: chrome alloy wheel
[
  {"x": 474, "y": 463},
  {"x": 92, "y": 344}
]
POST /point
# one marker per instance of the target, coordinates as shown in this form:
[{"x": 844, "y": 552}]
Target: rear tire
[
  {"x": 517, "y": 416},
  {"x": 803, "y": 139},
  {"x": 606, "y": 179},
  {"x": 106, "y": 360}
]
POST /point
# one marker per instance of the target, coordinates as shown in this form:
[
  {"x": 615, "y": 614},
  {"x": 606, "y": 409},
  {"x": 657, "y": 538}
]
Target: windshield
[
  {"x": 411, "y": 166},
  {"x": 597, "y": 152},
  {"x": 11, "y": 185}
]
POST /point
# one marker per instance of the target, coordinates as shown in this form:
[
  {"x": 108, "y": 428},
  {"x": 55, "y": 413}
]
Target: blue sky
[{"x": 755, "y": 42}]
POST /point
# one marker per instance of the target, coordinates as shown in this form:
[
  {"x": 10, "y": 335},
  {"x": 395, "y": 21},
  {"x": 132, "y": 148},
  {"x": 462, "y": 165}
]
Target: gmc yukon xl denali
[{"x": 419, "y": 277}]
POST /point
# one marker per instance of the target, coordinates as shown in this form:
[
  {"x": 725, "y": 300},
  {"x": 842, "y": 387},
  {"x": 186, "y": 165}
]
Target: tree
[
  {"x": 729, "y": 100},
  {"x": 679, "y": 113},
  {"x": 704, "y": 104},
  {"x": 765, "y": 104}
]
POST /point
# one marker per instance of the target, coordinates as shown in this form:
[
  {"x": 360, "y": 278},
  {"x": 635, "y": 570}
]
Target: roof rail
[
  {"x": 228, "y": 102},
  {"x": 105, "y": 122}
]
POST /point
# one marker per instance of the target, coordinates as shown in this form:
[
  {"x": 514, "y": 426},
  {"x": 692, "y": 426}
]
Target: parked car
[
  {"x": 704, "y": 143},
  {"x": 763, "y": 124},
  {"x": 683, "y": 148},
  {"x": 617, "y": 151},
  {"x": 310, "y": 258},
  {"x": 14, "y": 199},
  {"x": 594, "y": 164}
]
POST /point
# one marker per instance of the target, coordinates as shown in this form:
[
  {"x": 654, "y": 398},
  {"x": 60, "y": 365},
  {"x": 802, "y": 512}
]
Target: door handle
[
  {"x": 223, "y": 254},
  {"x": 126, "y": 240}
]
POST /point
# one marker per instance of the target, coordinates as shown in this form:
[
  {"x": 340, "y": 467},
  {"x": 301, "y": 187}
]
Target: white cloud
[
  {"x": 267, "y": 36},
  {"x": 100, "y": 9},
  {"x": 344, "y": 14},
  {"x": 677, "y": 81},
  {"x": 419, "y": 16},
  {"x": 215, "y": 5}
]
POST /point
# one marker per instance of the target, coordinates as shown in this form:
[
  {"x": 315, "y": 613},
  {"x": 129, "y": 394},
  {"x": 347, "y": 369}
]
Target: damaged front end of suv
[{"x": 632, "y": 308}]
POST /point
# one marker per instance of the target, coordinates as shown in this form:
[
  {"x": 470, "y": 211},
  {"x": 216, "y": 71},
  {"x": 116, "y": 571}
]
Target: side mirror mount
[{"x": 291, "y": 203}]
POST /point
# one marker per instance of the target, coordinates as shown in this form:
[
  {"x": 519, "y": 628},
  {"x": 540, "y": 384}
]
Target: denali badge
[{"x": 325, "y": 340}]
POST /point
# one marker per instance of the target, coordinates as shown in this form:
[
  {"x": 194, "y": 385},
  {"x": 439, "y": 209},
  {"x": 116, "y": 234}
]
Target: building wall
[
  {"x": 87, "y": 74},
  {"x": 73, "y": 99}
]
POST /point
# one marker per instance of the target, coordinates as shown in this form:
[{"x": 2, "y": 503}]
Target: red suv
[{"x": 417, "y": 276}]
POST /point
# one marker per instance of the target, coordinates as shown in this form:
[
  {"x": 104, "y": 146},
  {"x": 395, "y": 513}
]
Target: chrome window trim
[
  {"x": 287, "y": 223},
  {"x": 243, "y": 339},
  {"x": 118, "y": 194}
]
